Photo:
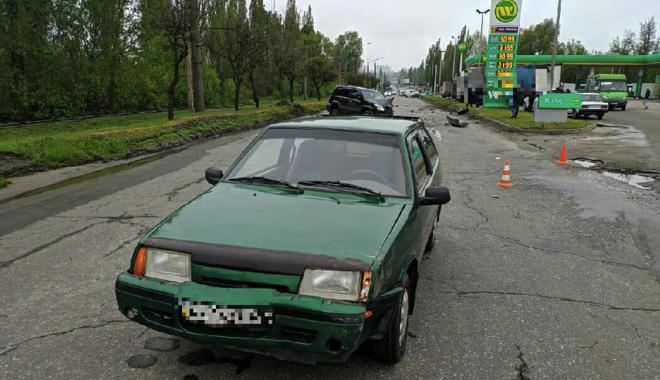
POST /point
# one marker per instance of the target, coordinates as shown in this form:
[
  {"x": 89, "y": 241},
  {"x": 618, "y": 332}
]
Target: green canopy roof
[{"x": 581, "y": 60}]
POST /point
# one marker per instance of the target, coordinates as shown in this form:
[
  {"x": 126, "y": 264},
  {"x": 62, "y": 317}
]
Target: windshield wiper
[
  {"x": 346, "y": 185},
  {"x": 268, "y": 180}
]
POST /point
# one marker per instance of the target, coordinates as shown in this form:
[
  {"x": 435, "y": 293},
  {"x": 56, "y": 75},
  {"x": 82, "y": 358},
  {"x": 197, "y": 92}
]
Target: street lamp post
[
  {"x": 554, "y": 48},
  {"x": 481, "y": 33},
  {"x": 453, "y": 65}
]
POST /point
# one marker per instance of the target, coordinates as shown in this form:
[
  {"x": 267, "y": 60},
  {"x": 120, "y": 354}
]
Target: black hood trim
[{"x": 255, "y": 259}]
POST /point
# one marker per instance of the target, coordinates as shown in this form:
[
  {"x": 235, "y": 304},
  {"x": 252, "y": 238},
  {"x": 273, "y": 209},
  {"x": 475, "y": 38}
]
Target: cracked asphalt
[{"x": 556, "y": 278}]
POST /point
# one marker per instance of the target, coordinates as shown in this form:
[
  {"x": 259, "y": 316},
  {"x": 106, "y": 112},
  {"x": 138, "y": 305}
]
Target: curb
[{"x": 507, "y": 128}]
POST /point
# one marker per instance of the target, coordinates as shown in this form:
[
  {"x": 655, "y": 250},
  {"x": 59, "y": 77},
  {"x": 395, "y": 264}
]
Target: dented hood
[{"x": 342, "y": 226}]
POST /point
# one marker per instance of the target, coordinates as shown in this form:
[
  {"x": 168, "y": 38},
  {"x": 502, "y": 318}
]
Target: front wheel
[
  {"x": 367, "y": 113},
  {"x": 623, "y": 108},
  {"x": 392, "y": 346},
  {"x": 575, "y": 114},
  {"x": 334, "y": 112}
]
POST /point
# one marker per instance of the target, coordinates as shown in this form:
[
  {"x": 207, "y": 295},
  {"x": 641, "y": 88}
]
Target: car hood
[
  {"x": 386, "y": 102},
  {"x": 335, "y": 225}
]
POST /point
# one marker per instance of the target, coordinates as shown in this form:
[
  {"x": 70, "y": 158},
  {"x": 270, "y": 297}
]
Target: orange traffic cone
[
  {"x": 562, "y": 157},
  {"x": 505, "y": 181}
]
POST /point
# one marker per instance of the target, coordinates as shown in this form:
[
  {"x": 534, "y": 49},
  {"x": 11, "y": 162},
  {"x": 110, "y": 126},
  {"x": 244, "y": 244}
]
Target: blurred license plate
[
  {"x": 594, "y": 107},
  {"x": 225, "y": 316}
]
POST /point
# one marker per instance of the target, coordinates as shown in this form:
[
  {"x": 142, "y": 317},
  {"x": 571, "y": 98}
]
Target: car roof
[
  {"x": 590, "y": 93},
  {"x": 349, "y": 86},
  {"x": 353, "y": 123}
]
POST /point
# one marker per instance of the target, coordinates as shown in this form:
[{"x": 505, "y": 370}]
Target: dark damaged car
[
  {"x": 351, "y": 100},
  {"x": 308, "y": 247}
]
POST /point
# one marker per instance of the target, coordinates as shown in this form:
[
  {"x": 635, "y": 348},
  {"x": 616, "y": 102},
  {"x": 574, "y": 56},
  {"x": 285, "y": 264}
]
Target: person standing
[{"x": 647, "y": 94}]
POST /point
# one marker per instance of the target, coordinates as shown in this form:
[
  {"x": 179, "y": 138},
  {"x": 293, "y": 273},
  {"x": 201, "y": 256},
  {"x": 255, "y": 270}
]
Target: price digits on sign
[
  {"x": 505, "y": 56},
  {"x": 507, "y": 47},
  {"x": 507, "y": 38},
  {"x": 505, "y": 65}
]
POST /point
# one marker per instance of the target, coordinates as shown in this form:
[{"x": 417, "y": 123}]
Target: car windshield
[
  {"x": 372, "y": 95},
  {"x": 591, "y": 98},
  {"x": 613, "y": 86},
  {"x": 370, "y": 160}
]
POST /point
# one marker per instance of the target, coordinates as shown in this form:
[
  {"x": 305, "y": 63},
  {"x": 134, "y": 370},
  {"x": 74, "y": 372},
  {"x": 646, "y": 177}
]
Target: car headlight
[
  {"x": 380, "y": 108},
  {"x": 167, "y": 265},
  {"x": 604, "y": 98},
  {"x": 332, "y": 284}
]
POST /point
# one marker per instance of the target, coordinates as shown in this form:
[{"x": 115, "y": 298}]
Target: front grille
[
  {"x": 295, "y": 334},
  {"x": 222, "y": 283},
  {"x": 235, "y": 332}
]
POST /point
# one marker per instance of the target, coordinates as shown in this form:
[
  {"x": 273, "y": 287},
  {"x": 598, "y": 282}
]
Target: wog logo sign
[{"x": 506, "y": 10}]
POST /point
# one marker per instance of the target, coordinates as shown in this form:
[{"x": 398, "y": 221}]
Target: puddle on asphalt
[
  {"x": 586, "y": 164},
  {"x": 631, "y": 179}
]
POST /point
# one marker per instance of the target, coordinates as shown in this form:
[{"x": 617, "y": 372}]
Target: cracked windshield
[{"x": 309, "y": 189}]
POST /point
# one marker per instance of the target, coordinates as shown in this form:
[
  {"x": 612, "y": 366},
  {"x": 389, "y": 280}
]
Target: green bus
[{"x": 611, "y": 87}]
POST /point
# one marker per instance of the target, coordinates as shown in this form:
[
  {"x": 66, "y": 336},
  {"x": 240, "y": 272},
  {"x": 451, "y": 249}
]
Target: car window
[
  {"x": 591, "y": 98},
  {"x": 354, "y": 94},
  {"x": 430, "y": 148},
  {"x": 419, "y": 165},
  {"x": 372, "y": 95},
  {"x": 340, "y": 91},
  {"x": 366, "y": 159}
]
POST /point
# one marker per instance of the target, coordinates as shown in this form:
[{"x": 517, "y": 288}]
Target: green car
[{"x": 307, "y": 248}]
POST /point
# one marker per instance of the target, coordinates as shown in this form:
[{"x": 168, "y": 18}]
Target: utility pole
[
  {"x": 435, "y": 84},
  {"x": 453, "y": 65},
  {"x": 481, "y": 33},
  {"x": 554, "y": 48}
]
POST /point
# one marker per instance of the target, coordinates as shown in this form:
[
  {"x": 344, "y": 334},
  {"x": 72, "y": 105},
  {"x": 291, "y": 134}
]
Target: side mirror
[
  {"x": 435, "y": 196},
  {"x": 213, "y": 175}
]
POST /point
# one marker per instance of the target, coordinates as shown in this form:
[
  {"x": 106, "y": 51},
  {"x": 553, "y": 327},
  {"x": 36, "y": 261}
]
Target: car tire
[
  {"x": 575, "y": 114},
  {"x": 334, "y": 112},
  {"x": 600, "y": 116},
  {"x": 623, "y": 108},
  {"x": 368, "y": 112},
  {"x": 392, "y": 346},
  {"x": 610, "y": 107}
]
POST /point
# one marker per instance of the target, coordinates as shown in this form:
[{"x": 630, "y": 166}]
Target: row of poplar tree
[{"x": 68, "y": 58}]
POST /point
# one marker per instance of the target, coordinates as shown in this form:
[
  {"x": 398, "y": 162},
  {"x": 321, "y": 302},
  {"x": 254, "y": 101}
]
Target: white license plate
[
  {"x": 225, "y": 316},
  {"x": 594, "y": 107}
]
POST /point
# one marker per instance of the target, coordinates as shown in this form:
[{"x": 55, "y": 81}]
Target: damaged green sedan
[{"x": 308, "y": 247}]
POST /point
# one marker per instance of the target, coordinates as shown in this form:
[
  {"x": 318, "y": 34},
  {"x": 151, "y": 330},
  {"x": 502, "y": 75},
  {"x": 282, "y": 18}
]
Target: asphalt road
[
  {"x": 557, "y": 278},
  {"x": 632, "y": 143}
]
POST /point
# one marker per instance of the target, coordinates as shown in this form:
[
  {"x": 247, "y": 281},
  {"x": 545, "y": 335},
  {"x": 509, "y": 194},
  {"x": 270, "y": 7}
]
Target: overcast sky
[{"x": 401, "y": 31}]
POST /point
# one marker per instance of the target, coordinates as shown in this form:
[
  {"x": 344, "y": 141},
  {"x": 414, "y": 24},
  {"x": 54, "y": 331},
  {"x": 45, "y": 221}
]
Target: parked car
[
  {"x": 351, "y": 100},
  {"x": 402, "y": 92},
  {"x": 592, "y": 104},
  {"x": 308, "y": 247},
  {"x": 388, "y": 93},
  {"x": 414, "y": 94}
]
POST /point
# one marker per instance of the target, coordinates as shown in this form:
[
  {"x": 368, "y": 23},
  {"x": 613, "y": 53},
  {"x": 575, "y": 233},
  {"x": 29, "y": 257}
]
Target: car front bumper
[{"x": 305, "y": 329}]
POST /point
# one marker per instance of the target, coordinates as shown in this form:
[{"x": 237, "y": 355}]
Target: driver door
[{"x": 354, "y": 103}]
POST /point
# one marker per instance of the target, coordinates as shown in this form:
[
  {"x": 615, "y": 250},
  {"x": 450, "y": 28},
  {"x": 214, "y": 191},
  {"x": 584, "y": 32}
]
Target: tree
[
  {"x": 624, "y": 46},
  {"x": 237, "y": 43},
  {"x": 320, "y": 72},
  {"x": 259, "y": 53},
  {"x": 537, "y": 39},
  {"x": 196, "y": 41},
  {"x": 174, "y": 22},
  {"x": 648, "y": 42},
  {"x": 288, "y": 56},
  {"x": 348, "y": 52}
]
